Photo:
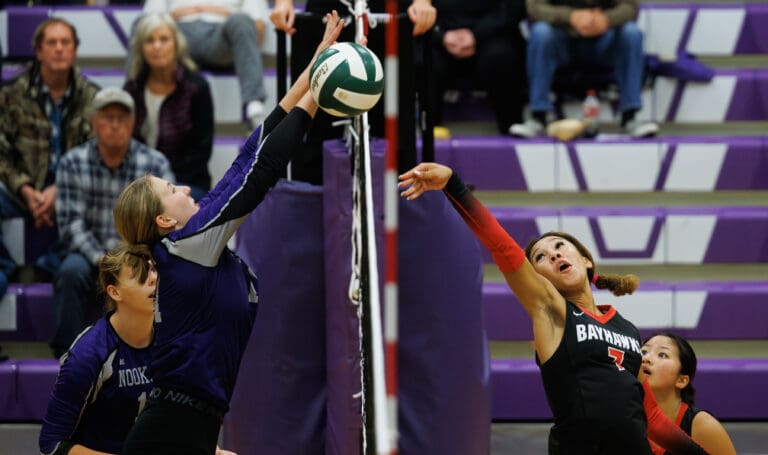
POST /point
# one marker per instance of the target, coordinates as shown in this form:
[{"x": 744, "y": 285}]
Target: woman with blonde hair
[
  {"x": 588, "y": 354},
  {"x": 206, "y": 297},
  {"x": 174, "y": 108},
  {"x": 103, "y": 381}
]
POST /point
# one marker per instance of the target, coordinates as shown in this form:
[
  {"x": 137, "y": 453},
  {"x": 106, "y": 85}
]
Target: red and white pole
[{"x": 391, "y": 202}]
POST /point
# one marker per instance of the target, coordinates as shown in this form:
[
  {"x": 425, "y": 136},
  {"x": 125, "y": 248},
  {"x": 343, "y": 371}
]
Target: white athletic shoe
[
  {"x": 255, "y": 112},
  {"x": 530, "y": 129},
  {"x": 638, "y": 129}
]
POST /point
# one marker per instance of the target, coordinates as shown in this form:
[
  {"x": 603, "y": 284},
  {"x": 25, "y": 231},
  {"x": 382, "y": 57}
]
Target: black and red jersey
[{"x": 592, "y": 387}]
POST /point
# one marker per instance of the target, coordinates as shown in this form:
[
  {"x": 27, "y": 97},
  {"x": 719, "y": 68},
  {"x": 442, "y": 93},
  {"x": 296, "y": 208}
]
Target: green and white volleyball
[{"x": 346, "y": 79}]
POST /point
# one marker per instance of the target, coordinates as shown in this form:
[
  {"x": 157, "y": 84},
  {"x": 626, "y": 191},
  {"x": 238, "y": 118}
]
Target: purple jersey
[
  {"x": 101, "y": 388},
  {"x": 206, "y": 297}
]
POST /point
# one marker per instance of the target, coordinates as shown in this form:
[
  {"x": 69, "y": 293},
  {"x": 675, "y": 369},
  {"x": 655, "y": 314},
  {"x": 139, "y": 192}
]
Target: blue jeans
[
  {"x": 74, "y": 300},
  {"x": 550, "y": 47}
]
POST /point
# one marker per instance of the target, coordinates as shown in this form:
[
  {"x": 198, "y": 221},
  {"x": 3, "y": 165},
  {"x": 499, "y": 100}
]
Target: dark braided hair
[{"x": 617, "y": 284}]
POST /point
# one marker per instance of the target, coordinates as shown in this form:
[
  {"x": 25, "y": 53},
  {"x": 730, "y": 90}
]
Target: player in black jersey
[
  {"x": 588, "y": 354},
  {"x": 669, "y": 364}
]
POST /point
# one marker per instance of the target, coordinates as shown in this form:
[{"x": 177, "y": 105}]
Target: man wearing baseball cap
[{"x": 89, "y": 179}]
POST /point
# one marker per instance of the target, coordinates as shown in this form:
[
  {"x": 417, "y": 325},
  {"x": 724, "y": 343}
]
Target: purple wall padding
[
  {"x": 444, "y": 382},
  {"x": 279, "y": 402}
]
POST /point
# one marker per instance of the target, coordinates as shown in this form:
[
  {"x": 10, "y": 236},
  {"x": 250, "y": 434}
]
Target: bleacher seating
[{"x": 710, "y": 234}]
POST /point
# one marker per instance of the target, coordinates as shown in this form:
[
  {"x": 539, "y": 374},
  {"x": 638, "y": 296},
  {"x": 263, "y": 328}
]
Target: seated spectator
[
  {"x": 480, "y": 41},
  {"x": 174, "y": 110},
  {"x": 42, "y": 116},
  {"x": 222, "y": 33},
  {"x": 669, "y": 363},
  {"x": 587, "y": 32},
  {"x": 89, "y": 179}
]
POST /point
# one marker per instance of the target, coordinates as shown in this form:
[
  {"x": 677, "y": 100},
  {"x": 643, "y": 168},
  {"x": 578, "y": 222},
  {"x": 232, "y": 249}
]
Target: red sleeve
[
  {"x": 664, "y": 431},
  {"x": 505, "y": 251}
]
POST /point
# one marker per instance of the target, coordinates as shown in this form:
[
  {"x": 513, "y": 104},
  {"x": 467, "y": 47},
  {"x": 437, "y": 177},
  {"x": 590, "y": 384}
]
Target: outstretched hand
[
  {"x": 424, "y": 177},
  {"x": 333, "y": 26}
]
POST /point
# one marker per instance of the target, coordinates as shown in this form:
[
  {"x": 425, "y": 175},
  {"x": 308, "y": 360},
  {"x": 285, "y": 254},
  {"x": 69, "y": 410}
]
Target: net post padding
[
  {"x": 278, "y": 405},
  {"x": 440, "y": 276}
]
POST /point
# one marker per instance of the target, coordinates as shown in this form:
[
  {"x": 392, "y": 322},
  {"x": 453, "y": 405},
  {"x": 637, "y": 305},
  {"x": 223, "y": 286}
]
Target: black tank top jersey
[
  {"x": 592, "y": 387},
  {"x": 685, "y": 419}
]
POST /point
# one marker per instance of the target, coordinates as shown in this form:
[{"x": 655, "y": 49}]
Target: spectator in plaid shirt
[{"x": 89, "y": 179}]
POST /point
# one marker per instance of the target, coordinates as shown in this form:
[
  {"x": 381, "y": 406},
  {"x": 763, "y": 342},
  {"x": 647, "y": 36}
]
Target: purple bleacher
[
  {"x": 8, "y": 382},
  {"x": 727, "y": 310},
  {"x": 22, "y": 22},
  {"x": 34, "y": 313},
  {"x": 750, "y": 38},
  {"x": 517, "y": 392},
  {"x": 36, "y": 378},
  {"x": 728, "y": 388},
  {"x": 739, "y": 234},
  {"x": 497, "y": 163}
]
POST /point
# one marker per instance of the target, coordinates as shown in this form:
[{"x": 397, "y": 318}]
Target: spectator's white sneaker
[
  {"x": 530, "y": 129},
  {"x": 255, "y": 112},
  {"x": 638, "y": 129}
]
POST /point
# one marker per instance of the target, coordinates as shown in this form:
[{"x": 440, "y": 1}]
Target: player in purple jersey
[
  {"x": 589, "y": 355},
  {"x": 206, "y": 297},
  {"x": 669, "y": 364},
  {"x": 103, "y": 381}
]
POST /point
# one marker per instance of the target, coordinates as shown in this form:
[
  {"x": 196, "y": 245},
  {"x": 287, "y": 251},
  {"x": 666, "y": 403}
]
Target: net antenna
[{"x": 378, "y": 389}]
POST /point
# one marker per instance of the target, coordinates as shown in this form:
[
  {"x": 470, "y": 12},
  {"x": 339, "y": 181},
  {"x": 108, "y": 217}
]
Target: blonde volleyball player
[{"x": 206, "y": 297}]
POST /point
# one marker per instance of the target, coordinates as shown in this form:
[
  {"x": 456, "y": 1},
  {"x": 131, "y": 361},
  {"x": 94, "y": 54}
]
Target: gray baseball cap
[{"x": 112, "y": 95}]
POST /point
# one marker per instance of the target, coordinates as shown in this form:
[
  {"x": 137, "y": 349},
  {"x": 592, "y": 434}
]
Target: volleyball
[{"x": 346, "y": 79}]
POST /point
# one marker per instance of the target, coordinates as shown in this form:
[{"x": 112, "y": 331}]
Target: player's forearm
[
  {"x": 663, "y": 431},
  {"x": 505, "y": 251}
]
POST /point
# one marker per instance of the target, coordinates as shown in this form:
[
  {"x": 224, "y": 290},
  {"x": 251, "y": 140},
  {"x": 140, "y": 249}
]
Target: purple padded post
[
  {"x": 36, "y": 379},
  {"x": 278, "y": 405},
  {"x": 440, "y": 325}
]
